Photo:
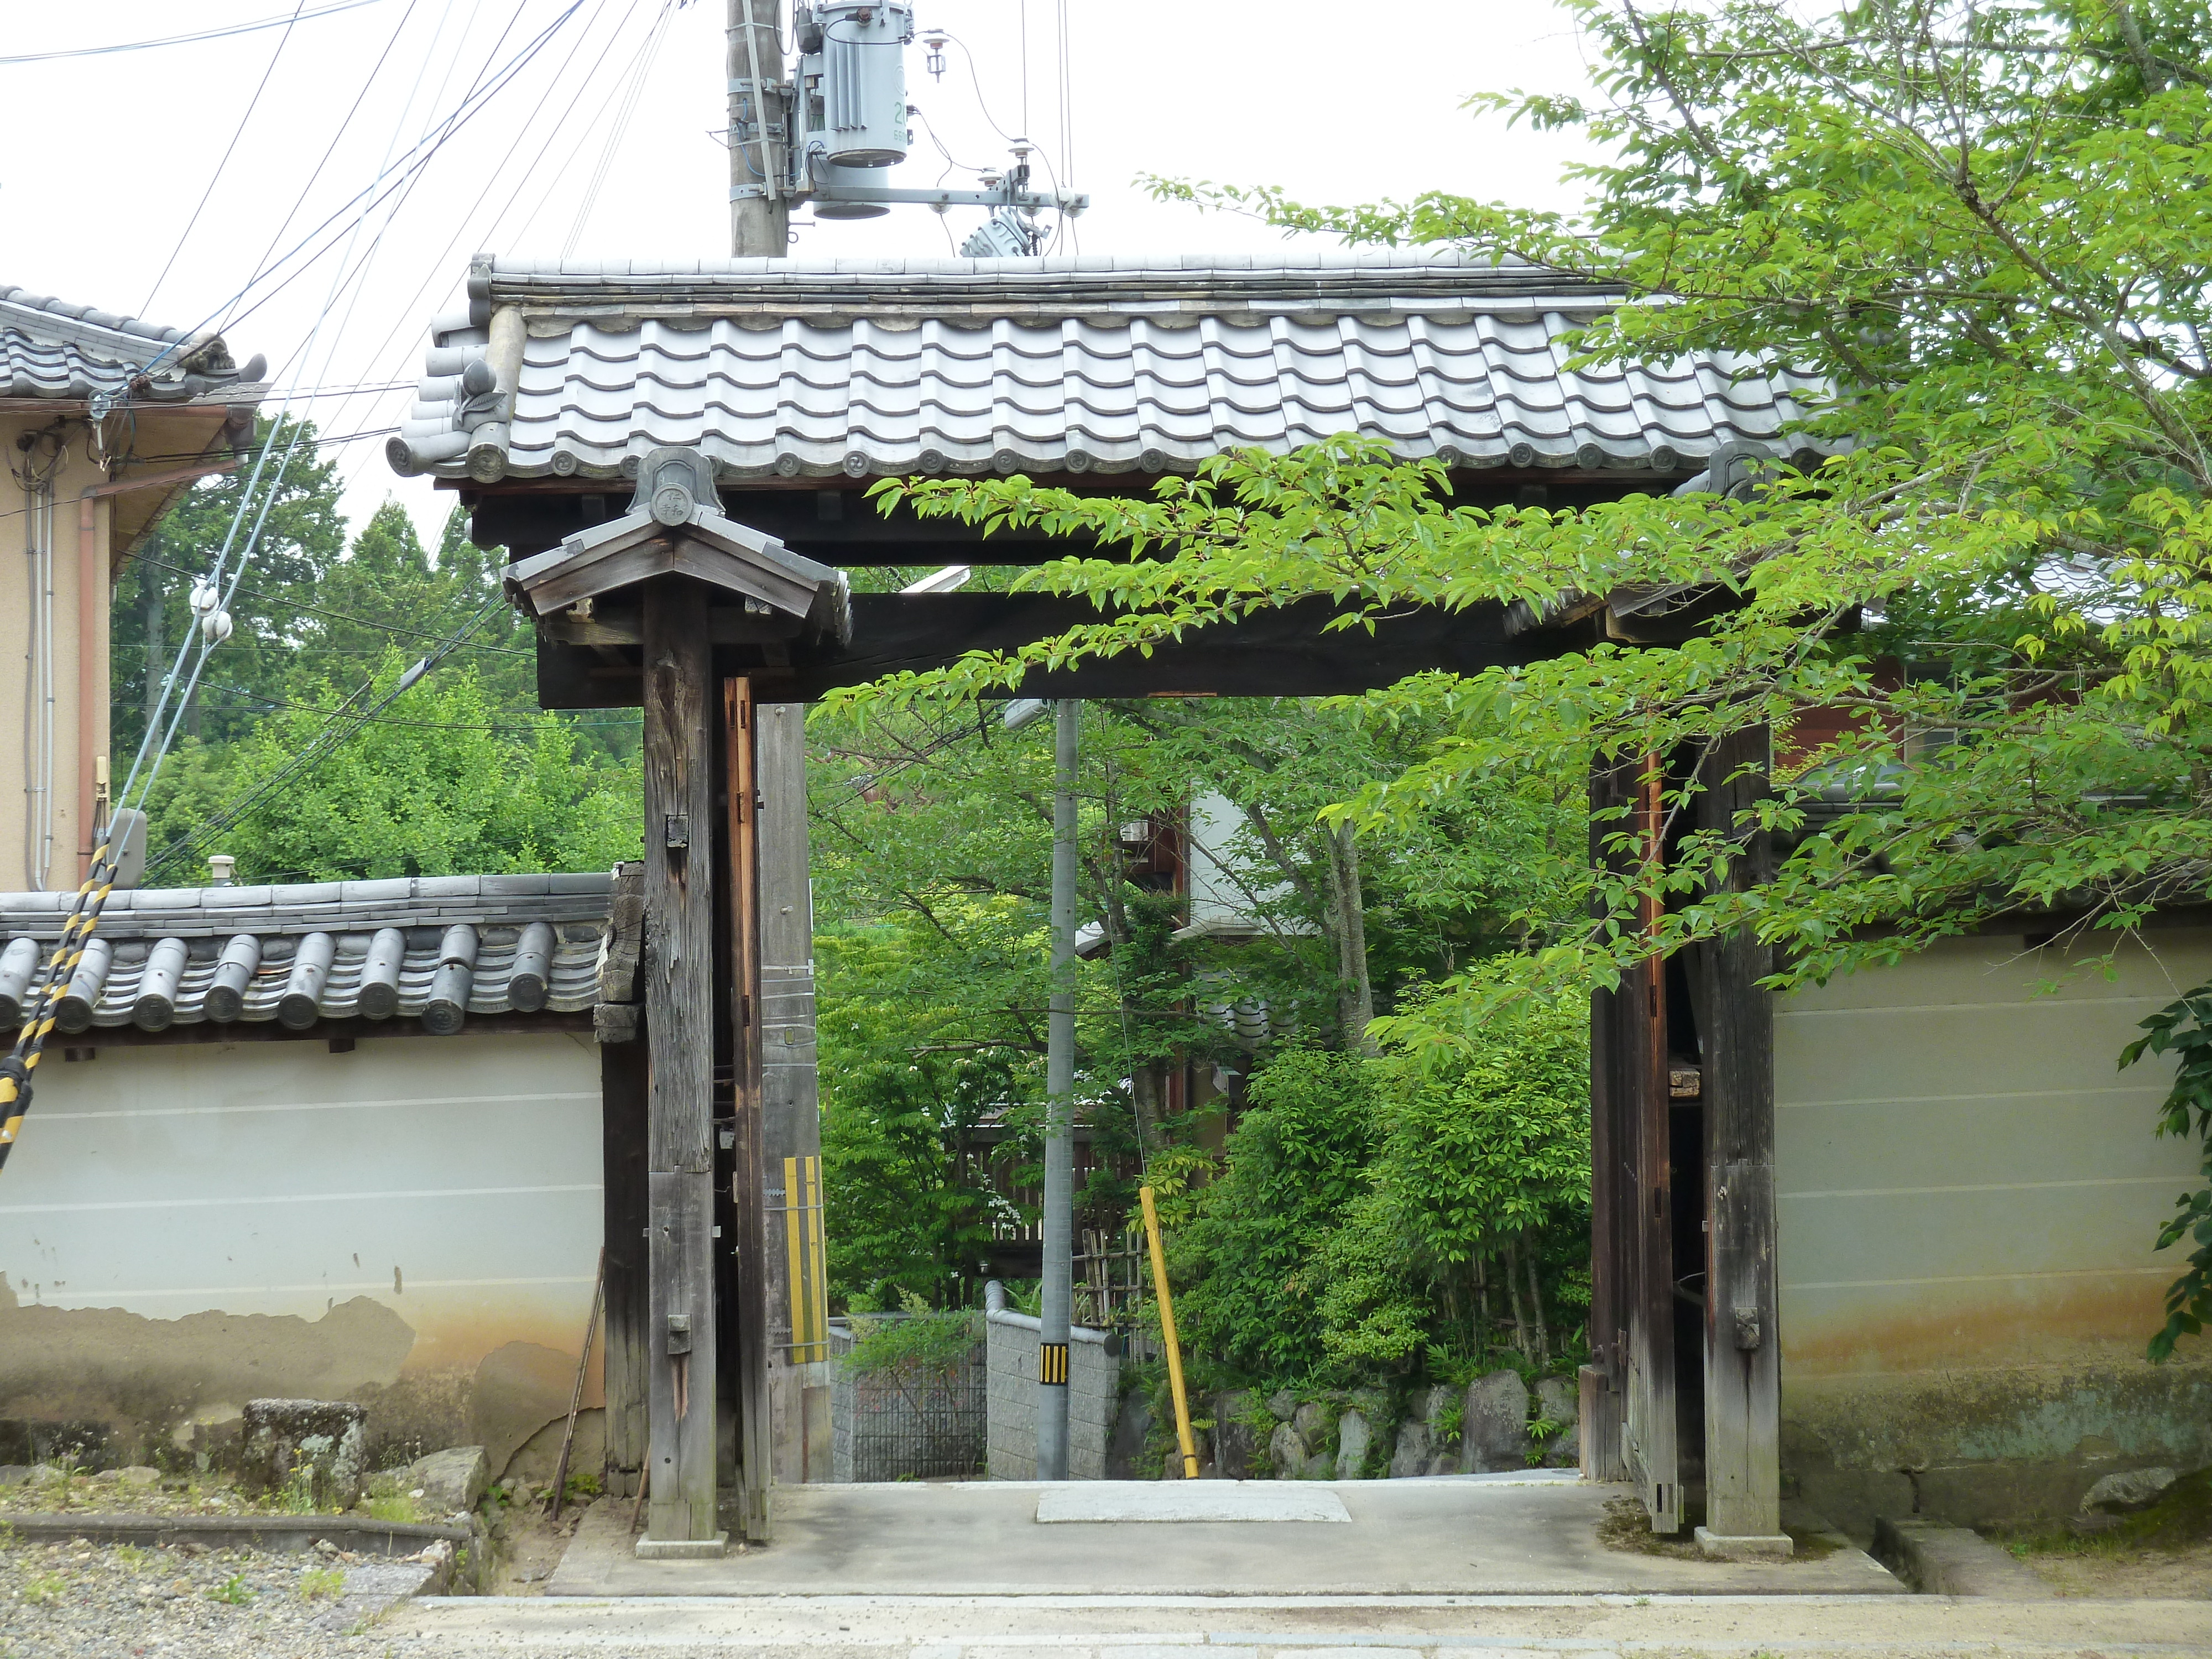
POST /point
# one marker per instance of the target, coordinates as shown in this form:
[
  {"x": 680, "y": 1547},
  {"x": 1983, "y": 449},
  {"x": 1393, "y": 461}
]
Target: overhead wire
[
  {"x": 620, "y": 130},
  {"x": 220, "y": 586},
  {"x": 416, "y": 158},
  {"x": 549, "y": 104},
  {"x": 237, "y": 133},
  {"x": 223, "y": 33}
]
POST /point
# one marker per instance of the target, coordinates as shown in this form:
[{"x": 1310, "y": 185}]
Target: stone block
[
  {"x": 1415, "y": 1446},
  {"x": 1559, "y": 1399},
  {"x": 1939, "y": 1560},
  {"x": 1286, "y": 1453},
  {"x": 1283, "y": 1405},
  {"x": 1352, "y": 1438},
  {"x": 1235, "y": 1446},
  {"x": 1311, "y": 1421},
  {"x": 450, "y": 1481},
  {"x": 311, "y": 1448},
  {"x": 2127, "y": 1492},
  {"x": 1318, "y": 1467},
  {"x": 141, "y": 1477},
  {"x": 1494, "y": 1426}
]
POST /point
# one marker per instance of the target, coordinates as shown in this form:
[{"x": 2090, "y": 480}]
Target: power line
[
  {"x": 334, "y": 616},
  {"x": 256, "y": 704},
  {"x": 253, "y": 104},
  {"x": 297, "y": 16}
]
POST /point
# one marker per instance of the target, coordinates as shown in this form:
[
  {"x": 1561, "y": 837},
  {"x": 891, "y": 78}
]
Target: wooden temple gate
[{"x": 741, "y": 414}]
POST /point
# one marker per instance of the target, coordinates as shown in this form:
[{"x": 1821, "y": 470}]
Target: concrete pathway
[
  {"x": 1300, "y": 1627},
  {"x": 1472, "y": 1536}
]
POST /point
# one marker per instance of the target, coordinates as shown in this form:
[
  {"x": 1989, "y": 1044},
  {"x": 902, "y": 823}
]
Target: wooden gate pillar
[
  {"x": 756, "y": 1454},
  {"x": 1743, "y": 1353},
  {"x": 798, "y": 1305},
  {"x": 680, "y": 1042}
]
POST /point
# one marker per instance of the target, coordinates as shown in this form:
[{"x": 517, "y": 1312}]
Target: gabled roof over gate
[{"x": 797, "y": 368}]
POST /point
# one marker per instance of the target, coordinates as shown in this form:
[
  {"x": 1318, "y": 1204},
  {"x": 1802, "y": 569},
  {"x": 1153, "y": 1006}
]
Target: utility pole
[
  {"x": 760, "y": 129},
  {"x": 1059, "y": 1113}
]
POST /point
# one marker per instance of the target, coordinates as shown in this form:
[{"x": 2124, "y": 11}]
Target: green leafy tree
[
  {"x": 1976, "y": 238},
  {"x": 1248, "y": 1264},
  {"x": 437, "y": 784}
]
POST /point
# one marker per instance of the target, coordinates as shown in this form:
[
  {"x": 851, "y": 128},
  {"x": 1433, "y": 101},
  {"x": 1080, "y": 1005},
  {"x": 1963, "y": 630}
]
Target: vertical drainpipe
[{"x": 91, "y": 658}]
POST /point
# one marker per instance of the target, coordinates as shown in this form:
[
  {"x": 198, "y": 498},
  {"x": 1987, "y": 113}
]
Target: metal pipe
[{"x": 1059, "y": 1114}]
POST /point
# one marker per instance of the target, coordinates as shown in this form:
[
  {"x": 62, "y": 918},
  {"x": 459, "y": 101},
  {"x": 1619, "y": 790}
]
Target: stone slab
[
  {"x": 1447, "y": 1537},
  {"x": 1299, "y": 1627},
  {"x": 1189, "y": 1501},
  {"x": 1939, "y": 1560},
  {"x": 1730, "y": 1547},
  {"x": 683, "y": 1549}
]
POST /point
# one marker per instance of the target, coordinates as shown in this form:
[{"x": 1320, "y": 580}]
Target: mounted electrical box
[
  {"x": 848, "y": 120},
  {"x": 852, "y": 76}
]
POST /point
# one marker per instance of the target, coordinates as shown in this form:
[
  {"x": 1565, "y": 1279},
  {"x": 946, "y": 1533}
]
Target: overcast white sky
[{"x": 108, "y": 157}]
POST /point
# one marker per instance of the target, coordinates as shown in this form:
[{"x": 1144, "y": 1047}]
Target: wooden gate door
[{"x": 1632, "y": 1201}]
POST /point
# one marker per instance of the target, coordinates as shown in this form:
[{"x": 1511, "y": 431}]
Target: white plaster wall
[
  {"x": 454, "y": 1179},
  {"x": 1965, "y": 1178}
]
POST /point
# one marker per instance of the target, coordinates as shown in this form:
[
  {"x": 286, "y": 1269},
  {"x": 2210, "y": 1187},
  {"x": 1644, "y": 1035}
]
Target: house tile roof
[
  {"x": 436, "y": 949},
  {"x": 50, "y": 348},
  {"x": 858, "y": 367}
]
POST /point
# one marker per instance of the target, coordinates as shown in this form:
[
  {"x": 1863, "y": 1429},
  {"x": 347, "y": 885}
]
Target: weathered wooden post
[
  {"x": 1743, "y": 1352},
  {"x": 679, "y": 1007},
  {"x": 695, "y": 578}
]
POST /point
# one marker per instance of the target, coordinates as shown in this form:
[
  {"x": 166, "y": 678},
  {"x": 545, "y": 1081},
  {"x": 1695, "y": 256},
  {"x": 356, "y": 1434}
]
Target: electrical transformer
[{"x": 851, "y": 73}]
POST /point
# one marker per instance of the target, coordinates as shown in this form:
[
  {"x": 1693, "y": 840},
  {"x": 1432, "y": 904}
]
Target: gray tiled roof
[
  {"x": 441, "y": 947},
  {"x": 50, "y": 348},
  {"x": 800, "y": 368}
]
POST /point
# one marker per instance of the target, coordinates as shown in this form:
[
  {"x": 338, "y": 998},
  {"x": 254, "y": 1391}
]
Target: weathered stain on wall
[
  {"x": 1969, "y": 1192},
  {"x": 414, "y": 1225}
]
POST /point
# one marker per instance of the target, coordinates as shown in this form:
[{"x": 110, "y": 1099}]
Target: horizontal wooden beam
[
  {"x": 833, "y": 521},
  {"x": 1292, "y": 652}
]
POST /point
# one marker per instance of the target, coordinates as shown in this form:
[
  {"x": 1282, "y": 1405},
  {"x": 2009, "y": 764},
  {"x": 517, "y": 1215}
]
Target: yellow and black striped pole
[{"x": 39, "y": 1016}]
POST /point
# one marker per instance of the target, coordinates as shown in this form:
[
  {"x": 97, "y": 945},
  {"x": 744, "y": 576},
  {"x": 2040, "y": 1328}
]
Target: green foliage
[
  {"x": 464, "y": 773},
  {"x": 1976, "y": 237},
  {"x": 2184, "y": 1029},
  {"x": 392, "y": 1506},
  {"x": 439, "y": 787},
  {"x": 906, "y": 1090},
  {"x": 1248, "y": 1261},
  {"x": 234, "y": 1590},
  {"x": 43, "y": 1590},
  {"x": 320, "y": 1584},
  {"x": 923, "y": 1343},
  {"x": 1364, "y": 1205}
]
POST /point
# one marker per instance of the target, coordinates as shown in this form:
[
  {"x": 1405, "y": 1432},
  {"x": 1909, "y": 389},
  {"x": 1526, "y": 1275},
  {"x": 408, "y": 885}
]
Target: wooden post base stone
[
  {"x": 697, "y": 1549},
  {"x": 1723, "y": 1548}
]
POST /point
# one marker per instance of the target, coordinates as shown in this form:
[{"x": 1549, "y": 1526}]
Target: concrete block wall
[{"x": 1094, "y": 1387}]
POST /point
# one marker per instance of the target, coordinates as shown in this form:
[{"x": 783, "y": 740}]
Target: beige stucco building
[{"x": 104, "y": 422}]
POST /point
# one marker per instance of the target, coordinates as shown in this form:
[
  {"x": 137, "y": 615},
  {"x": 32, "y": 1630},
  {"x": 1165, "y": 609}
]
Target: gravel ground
[{"x": 79, "y": 1601}]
